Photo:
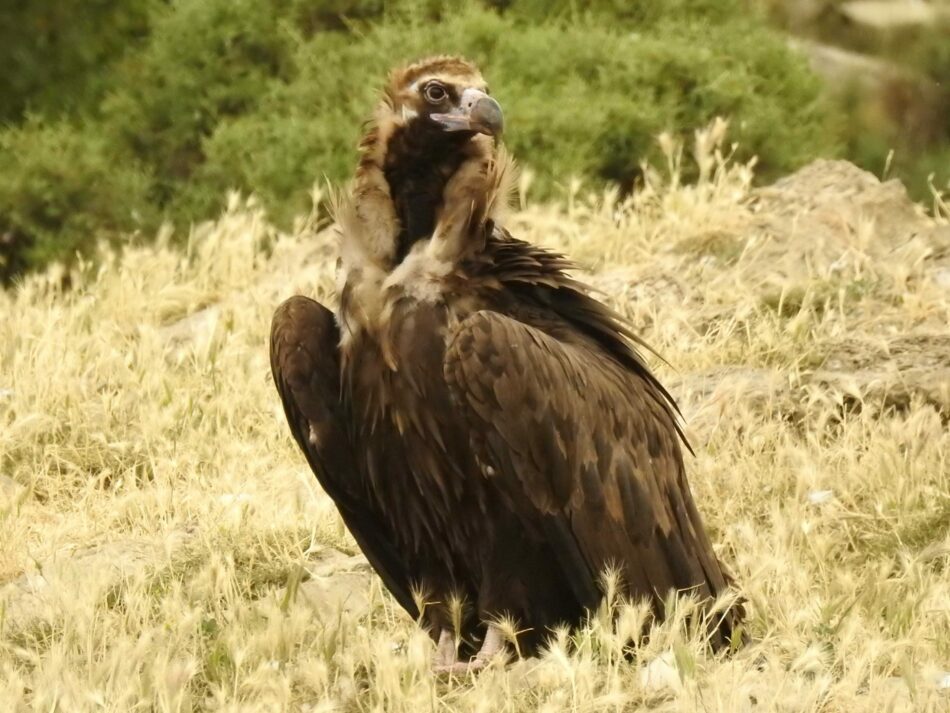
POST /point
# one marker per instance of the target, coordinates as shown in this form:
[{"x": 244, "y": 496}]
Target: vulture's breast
[{"x": 416, "y": 445}]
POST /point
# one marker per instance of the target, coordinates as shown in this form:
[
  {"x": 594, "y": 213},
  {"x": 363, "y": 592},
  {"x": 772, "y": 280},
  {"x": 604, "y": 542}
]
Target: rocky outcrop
[{"x": 829, "y": 226}]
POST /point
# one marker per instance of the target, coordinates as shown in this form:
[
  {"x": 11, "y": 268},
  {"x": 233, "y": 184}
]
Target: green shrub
[
  {"x": 592, "y": 108},
  {"x": 207, "y": 60},
  {"x": 268, "y": 96},
  {"x": 634, "y": 14},
  {"x": 61, "y": 189},
  {"x": 55, "y": 55}
]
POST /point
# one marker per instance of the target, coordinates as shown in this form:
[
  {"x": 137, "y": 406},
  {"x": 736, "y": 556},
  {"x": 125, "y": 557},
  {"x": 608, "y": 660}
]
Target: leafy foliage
[
  {"x": 592, "y": 109},
  {"x": 207, "y": 60},
  {"x": 269, "y": 97},
  {"x": 53, "y": 53},
  {"x": 61, "y": 188}
]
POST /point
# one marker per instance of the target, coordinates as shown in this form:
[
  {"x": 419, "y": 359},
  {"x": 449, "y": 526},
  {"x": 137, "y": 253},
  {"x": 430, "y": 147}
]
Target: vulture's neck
[{"x": 417, "y": 166}]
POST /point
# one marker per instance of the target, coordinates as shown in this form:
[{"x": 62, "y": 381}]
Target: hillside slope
[{"x": 165, "y": 547}]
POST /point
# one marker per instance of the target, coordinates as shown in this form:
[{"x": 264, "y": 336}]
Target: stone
[
  {"x": 336, "y": 582},
  {"x": 660, "y": 674},
  {"x": 196, "y": 330},
  {"x": 887, "y": 374},
  {"x": 842, "y": 68},
  {"x": 80, "y": 575},
  {"x": 890, "y": 14},
  {"x": 709, "y": 397},
  {"x": 11, "y": 492}
]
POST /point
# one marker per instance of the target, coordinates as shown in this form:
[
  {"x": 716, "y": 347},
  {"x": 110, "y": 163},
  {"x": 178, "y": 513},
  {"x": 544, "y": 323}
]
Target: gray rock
[
  {"x": 828, "y": 199},
  {"x": 85, "y": 574},
  {"x": 196, "y": 330},
  {"x": 11, "y": 492},
  {"x": 887, "y": 374},
  {"x": 857, "y": 374},
  {"x": 708, "y": 398},
  {"x": 336, "y": 582},
  {"x": 845, "y": 69},
  {"x": 890, "y": 14}
]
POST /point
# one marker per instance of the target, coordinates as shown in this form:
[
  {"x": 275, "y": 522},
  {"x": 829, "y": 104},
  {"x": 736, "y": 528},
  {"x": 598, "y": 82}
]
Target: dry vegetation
[{"x": 165, "y": 548}]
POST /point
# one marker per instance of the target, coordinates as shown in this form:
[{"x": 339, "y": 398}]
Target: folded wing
[
  {"x": 568, "y": 430},
  {"x": 306, "y": 368}
]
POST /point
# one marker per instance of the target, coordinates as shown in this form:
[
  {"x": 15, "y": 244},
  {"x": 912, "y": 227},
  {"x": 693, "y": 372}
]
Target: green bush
[
  {"x": 592, "y": 108},
  {"x": 268, "y": 96},
  {"x": 62, "y": 189},
  {"x": 55, "y": 55},
  {"x": 634, "y": 14},
  {"x": 207, "y": 60}
]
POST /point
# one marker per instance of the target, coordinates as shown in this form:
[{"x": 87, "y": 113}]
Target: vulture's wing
[
  {"x": 306, "y": 368},
  {"x": 577, "y": 435}
]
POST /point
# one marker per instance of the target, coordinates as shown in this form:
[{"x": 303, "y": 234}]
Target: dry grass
[{"x": 154, "y": 505}]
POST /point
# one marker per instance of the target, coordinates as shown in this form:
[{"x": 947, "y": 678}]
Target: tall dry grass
[{"x": 156, "y": 518}]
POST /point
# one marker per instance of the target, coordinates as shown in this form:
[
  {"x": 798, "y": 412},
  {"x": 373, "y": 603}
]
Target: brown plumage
[{"x": 487, "y": 429}]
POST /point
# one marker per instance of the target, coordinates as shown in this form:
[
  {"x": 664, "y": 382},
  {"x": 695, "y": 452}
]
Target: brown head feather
[{"x": 415, "y": 181}]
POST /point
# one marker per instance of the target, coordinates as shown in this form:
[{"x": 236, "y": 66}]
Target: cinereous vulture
[{"x": 486, "y": 428}]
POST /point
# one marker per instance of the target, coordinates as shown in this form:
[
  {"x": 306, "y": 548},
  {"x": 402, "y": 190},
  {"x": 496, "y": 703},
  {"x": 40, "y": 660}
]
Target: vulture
[{"x": 488, "y": 430}]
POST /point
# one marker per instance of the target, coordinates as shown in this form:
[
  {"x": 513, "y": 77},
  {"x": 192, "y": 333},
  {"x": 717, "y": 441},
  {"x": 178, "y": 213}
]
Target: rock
[
  {"x": 829, "y": 199},
  {"x": 295, "y": 267},
  {"x": 833, "y": 223},
  {"x": 337, "y": 582},
  {"x": 844, "y": 69},
  {"x": 888, "y": 374},
  {"x": 905, "y": 352},
  {"x": 936, "y": 242},
  {"x": 857, "y": 374},
  {"x": 343, "y": 591},
  {"x": 11, "y": 492},
  {"x": 820, "y": 497},
  {"x": 298, "y": 266},
  {"x": 890, "y": 14},
  {"x": 894, "y": 96},
  {"x": 707, "y": 398},
  {"x": 893, "y": 693},
  {"x": 195, "y": 330},
  {"x": 927, "y": 686},
  {"x": 81, "y": 575},
  {"x": 660, "y": 674}
]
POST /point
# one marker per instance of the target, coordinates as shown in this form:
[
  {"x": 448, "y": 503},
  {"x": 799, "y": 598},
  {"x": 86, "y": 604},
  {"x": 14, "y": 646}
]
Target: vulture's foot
[
  {"x": 446, "y": 652},
  {"x": 446, "y": 655}
]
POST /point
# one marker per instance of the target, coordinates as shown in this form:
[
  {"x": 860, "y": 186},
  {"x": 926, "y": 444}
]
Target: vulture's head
[
  {"x": 441, "y": 96},
  {"x": 432, "y": 172}
]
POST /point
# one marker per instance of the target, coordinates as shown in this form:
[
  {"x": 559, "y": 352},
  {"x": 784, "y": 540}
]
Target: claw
[
  {"x": 492, "y": 646},
  {"x": 446, "y": 652}
]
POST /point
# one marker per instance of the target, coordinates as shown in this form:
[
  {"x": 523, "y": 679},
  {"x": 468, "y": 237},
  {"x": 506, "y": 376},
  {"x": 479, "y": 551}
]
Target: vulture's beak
[{"x": 476, "y": 111}]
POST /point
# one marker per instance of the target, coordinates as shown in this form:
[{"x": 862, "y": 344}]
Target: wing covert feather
[
  {"x": 579, "y": 436},
  {"x": 306, "y": 369}
]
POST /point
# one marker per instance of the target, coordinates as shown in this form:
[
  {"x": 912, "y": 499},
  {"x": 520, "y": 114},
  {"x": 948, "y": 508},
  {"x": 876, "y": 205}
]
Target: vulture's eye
[{"x": 435, "y": 92}]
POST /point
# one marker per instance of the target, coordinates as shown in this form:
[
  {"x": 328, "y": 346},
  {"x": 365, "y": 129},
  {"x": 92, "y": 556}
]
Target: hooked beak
[{"x": 476, "y": 112}]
